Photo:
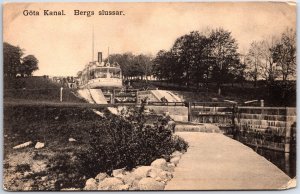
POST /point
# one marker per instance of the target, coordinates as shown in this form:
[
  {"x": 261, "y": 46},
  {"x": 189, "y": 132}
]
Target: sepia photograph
[{"x": 149, "y": 96}]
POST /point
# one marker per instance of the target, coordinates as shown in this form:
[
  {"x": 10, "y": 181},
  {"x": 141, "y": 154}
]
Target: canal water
[{"x": 285, "y": 161}]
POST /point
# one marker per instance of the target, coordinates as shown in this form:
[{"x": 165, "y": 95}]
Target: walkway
[{"x": 216, "y": 162}]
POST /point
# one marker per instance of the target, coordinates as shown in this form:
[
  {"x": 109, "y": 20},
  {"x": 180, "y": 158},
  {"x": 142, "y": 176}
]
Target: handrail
[
  {"x": 159, "y": 103},
  {"x": 64, "y": 104}
]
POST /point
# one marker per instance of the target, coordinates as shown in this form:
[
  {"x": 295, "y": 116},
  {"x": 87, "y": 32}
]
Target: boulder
[
  {"x": 71, "y": 139},
  {"x": 141, "y": 172},
  {"x": 134, "y": 185},
  {"x": 117, "y": 172},
  {"x": 70, "y": 189},
  {"x": 175, "y": 160},
  {"x": 158, "y": 179},
  {"x": 150, "y": 184},
  {"x": 111, "y": 183},
  {"x": 176, "y": 153},
  {"x": 122, "y": 187},
  {"x": 39, "y": 145},
  {"x": 171, "y": 167},
  {"x": 23, "y": 145},
  {"x": 101, "y": 176},
  {"x": 128, "y": 178},
  {"x": 91, "y": 184},
  {"x": 159, "y": 163},
  {"x": 154, "y": 172},
  {"x": 165, "y": 176}
]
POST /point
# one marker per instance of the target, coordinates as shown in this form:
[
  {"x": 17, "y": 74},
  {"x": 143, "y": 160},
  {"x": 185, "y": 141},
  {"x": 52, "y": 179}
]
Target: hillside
[
  {"x": 36, "y": 89},
  {"x": 272, "y": 96}
]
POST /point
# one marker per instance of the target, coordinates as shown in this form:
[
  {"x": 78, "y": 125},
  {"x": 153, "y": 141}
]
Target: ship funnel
[{"x": 100, "y": 57}]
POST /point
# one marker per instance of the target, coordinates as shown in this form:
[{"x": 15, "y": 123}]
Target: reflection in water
[{"x": 285, "y": 161}]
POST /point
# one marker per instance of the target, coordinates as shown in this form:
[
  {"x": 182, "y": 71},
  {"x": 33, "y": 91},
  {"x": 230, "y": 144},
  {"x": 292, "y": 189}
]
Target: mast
[
  {"x": 108, "y": 54},
  {"x": 93, "y": 49}
]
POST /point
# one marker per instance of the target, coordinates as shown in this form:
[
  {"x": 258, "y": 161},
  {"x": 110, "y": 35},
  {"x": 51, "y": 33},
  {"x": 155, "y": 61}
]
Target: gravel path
[{"x": 216, "y": 162}]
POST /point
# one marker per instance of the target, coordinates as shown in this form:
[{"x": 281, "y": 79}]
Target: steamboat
[{"x": 100, "y": 75}]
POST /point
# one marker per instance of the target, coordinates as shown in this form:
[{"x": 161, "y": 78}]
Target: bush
[{"x": 128, "y": 143}]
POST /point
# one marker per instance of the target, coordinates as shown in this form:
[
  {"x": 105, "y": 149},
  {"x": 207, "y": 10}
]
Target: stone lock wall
[{"x": 267, "y": 127}]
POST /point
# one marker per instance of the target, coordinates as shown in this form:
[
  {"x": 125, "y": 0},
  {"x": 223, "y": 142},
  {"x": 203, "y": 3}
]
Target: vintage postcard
[{"x": 149, "y": 96}]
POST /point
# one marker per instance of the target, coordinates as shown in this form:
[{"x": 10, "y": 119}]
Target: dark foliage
[{"x": 15, "y": 64}]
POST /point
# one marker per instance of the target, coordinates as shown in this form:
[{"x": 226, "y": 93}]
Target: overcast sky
[{"x": 63, "y": 44}]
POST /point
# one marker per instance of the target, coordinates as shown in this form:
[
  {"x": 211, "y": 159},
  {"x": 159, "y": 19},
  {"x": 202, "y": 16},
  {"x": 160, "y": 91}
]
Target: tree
[
  {"x": 268, "y": 68},
  {"x": 11, "y": 59},
  {"x": 237, "y": 72},
  {"x": 14, "y": 64},
  {"x": 253, "y": 61},
  {"x": 224, "y": 54},
  {"x": 197, "y": 57},
  {"x": 284, "y": 54},
  {"x": 143, "y": 65},
  {"x": 29, "y": 64},
  {"x": 182, "y": 51},
  {"x": 192, "y": 56},
  {"x": 163, "y": 65},
  {"x": 132, "y": 65}
]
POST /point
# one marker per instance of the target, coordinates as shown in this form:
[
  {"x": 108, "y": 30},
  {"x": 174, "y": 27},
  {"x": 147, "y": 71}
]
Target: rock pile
[{"x": 153, "y": 177}]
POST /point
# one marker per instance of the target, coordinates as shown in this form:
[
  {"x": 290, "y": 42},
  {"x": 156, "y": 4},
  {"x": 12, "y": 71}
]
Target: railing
[
  {"x": 64, "y": 104},
  {"x": 159, "y": 103}
]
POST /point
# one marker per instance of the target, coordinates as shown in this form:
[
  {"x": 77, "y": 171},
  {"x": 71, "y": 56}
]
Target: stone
[
  {"x": 128, "y": 178},
  {"x": 134, "y": 186},
  {"x": 122, "y": 187},
  {"x": 158, "y": 179},
  {"x": 171, "y": 167},
  {"x": 23, "y": 145},
  {"x": 91, "y": 184},
  {"x": 165, "y": 176},
  {"x": 117, "y": 172},
  {"x": 154, "y": 172},
  {"x": 141, "y": 172},
  {"x": 39, "y": 145},
  {"x": 175, "y": 160},
  {"x": 176, "y": 153},
  {"x": 111, "y": 183},
  {"x": 72, "y": 139},
  {"x": 70, "y": 189},
  {"x": 150, "y": 184},
  {"x": 159, "y": 163},
  {"x": 101, "y": 176}
]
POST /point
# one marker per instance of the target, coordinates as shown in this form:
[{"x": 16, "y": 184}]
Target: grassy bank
[{"x": 37, "y": 89}]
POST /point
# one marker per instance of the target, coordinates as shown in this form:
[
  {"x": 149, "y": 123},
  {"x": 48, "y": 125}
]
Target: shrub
[{"x": 127, "y": 142}]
